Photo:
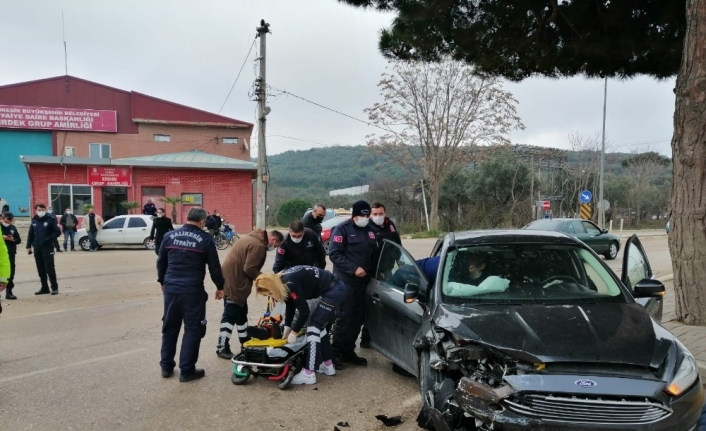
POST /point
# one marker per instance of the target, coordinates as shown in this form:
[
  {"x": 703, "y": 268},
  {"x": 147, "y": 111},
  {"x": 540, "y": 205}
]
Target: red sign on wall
[
  {"x": 103, "y": 176},
  {"x": 77, "y": 120}
]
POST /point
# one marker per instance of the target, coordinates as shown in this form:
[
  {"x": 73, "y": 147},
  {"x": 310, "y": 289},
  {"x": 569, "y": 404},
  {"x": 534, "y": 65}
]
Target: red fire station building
[{"x": 69, "y": 142}]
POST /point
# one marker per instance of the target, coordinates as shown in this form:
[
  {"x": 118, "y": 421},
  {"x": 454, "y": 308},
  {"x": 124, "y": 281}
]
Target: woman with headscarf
[{"x": 294, "y": 287}]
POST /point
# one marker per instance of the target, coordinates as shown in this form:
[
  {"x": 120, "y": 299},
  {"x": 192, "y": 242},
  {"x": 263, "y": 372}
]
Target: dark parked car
[
  {"x": 531, "y": 330},
  {"x": 599, "y": 240},
  {"x": 327, "y": 228}
]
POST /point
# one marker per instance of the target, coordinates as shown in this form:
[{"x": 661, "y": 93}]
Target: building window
[
  {"x": 192, "y": 198},
  {"x": 162, "y": 138},
  {"x": 69, "y": 196},
  {"x": 99, "y": 151},
  {"x": 148, "y": 191},
  {"x": 229, "y": 140}
]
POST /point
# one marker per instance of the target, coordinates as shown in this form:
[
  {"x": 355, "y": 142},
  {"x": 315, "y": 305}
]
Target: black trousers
[
  {"x": 189, "y": 309},
  {"x": 156, "y": 247},
  {"x": 44, "y": 259},
  {"x": 317, "y": 337},
  {"x": 234, "y": 317},
  {"x": 348, "y": 325},
  {"x": 10, "y": 281}
]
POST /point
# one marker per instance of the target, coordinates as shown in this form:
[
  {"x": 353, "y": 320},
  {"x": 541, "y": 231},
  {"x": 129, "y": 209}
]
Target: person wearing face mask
[
  {"x": 314, "y": 219},
  {"x": 300, "y": 247},
  {"x": 68, "y": 223},
  {"x": 12, "y": 239},
  {"x": 42, "y": 233},
  {"x": 384, "y": 229},
  {"x": 150, "y": 208},
  {"x": 351, "y": 251},
  {"x": 181, "y": 268},
  {"x": 160, "y": 225},
  {"x": 92, "y": 222},
  {"x": 50, "y": 213},
  {"x": 241, "y": 267}
]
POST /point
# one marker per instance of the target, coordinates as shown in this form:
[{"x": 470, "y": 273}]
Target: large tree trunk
[
  {"x": 687, "y": 237},
  {"x": 434, "y": 189}
]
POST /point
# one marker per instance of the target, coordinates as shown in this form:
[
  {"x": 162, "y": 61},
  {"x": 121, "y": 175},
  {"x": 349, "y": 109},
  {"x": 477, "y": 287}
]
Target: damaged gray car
[{"x": 530, "y": 330}]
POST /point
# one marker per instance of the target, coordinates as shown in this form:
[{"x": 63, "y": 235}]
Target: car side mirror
[
  {"x": 604, "y": 231},
  {"x": 411, "y": 293},
  {"x": 649, "y": 288}
]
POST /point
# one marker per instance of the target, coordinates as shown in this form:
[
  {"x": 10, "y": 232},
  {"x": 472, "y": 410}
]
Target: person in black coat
[
  {"x": 69, "y": 225},
  {"x": 351, "y": 252},
  {"x": 12, "y": 240},
  {"x": 51, "y": 214},
  {"x": 160, "y": 226},
  {"x": 314, "y": 219},
  {"x": 295, "y": 287},
  {"x": 301, "y": 247},
  {"x": 42, "y": 234}
]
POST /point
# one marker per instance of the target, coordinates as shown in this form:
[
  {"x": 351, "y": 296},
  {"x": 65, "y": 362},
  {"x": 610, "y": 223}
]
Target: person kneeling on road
[{"x": 294, "y": 287}]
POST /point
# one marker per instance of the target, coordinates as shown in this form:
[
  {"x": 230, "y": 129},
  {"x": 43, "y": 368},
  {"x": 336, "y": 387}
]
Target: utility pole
[
  {"x": 262, "y": 111},
  {"x": 601, "y": 210}
]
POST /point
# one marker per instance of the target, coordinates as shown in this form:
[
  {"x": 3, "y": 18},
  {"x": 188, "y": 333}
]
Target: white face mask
[
  {"x": 160, "y": 215},
  {"x": 362, "y": 221},
  {"x": 296, "y": 240},
  {"x": 41, "y": 213},
  {"x": 6, "y": 224},
  {"x": 68, "y": 212},
  {"x": 378, "y": 220}
]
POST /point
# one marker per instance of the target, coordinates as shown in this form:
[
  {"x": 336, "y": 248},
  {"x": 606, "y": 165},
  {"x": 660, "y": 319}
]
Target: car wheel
[
  {"x": 326, "y": 245},
  {"x": 612, "y": 252},
  {"x": 429, "y": 378},
  {"x": 148, "y": 243},
  {"x": 85, "y": 243}
]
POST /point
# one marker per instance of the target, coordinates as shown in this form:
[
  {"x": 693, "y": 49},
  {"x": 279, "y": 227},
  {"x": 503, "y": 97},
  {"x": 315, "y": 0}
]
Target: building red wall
[{"x": 226, "y": 190}]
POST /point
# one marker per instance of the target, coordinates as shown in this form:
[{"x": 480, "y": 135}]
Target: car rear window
[
  {"x": 527, "y": 273},
  {"x": 544, "y": 224}
]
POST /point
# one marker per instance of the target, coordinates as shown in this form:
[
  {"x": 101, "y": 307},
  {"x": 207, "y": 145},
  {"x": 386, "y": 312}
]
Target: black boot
[
  {"x": 9, "y": 295},
  {"x": 197, "y": 374},
  {"x": 354, "y": 359},
  {"x": 42, "y": 292},
  {"x": 225, "y": 353}
]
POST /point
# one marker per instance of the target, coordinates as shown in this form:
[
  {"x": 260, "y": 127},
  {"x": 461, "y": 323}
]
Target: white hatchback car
[{"x": 121, "y": 230}]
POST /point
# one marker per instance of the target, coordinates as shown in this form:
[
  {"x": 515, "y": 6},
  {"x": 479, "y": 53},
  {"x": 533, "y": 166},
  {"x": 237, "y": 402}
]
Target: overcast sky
[{"x": 319, "y": 49}]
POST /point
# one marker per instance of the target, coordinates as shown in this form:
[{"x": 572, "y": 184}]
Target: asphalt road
[{"x": 87, "y": 359}]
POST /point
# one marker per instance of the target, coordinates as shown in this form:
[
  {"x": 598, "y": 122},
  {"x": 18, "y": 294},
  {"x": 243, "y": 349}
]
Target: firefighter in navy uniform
[
  {"x": 42, "y": 234},
  {"x": 384, "y": 229},
  {"x": 351, "y": 251},
  {"x": 302, "y": 246},
  {"x": 181, "y": 266}
]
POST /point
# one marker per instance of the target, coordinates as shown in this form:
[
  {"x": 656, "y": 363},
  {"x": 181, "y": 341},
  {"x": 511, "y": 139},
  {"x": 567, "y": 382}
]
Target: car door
[
  {"x": 137, "y": 230},
  {"x": 113, "y": 231},
  {"x": 392, "y": 323},
  {"x": 637, "y": 267},
  {"x": 595, "y": 238}
]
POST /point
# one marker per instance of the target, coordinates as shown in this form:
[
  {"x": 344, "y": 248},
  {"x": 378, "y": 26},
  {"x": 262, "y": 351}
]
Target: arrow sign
[{"x": 585, "y": 197}]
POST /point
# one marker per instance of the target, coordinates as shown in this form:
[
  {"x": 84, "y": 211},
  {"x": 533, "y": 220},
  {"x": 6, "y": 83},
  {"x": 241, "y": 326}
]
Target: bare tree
[
  {"x": 430, "y": 111},
  {"x": 583, "y": 173},
  {"x": 642, "y": 170}
]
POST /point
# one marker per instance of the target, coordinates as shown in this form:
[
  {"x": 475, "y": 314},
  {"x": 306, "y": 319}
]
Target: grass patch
[{"x": 427, "y": 234}]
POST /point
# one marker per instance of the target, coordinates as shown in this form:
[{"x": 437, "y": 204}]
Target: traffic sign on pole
[
  {"x": 546, "y": 205},
  {"x": 586, "y": 212},
  {"x": 585, "y": 196}
]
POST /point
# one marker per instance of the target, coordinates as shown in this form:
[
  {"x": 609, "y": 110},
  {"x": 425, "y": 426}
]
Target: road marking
[
  {"x": 80, "y": 308},
  {"x": 86, "y": 362}
]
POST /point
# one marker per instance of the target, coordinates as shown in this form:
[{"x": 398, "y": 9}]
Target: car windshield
[
  {"x": 526, "y": 273},
  {"x": 544, "y": 224}
]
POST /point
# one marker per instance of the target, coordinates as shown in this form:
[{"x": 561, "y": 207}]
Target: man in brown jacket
[{"x": 240, "y": 268}]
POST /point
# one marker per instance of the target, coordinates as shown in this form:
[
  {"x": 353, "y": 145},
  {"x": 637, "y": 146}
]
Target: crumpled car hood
[{"x": 598, "y": 333}]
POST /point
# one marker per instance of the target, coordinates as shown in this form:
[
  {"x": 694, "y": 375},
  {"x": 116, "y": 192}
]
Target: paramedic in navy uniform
[
  {"x": 181, "y": 269},
  {"x": 302, "y": 246}
]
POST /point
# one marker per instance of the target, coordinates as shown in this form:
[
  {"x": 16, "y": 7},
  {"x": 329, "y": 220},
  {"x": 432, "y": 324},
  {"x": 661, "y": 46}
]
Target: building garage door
[{"x": 13, "y": 175}]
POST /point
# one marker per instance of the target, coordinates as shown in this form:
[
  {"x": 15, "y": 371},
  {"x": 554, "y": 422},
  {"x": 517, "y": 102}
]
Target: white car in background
[{"x": 121, "y": 230}]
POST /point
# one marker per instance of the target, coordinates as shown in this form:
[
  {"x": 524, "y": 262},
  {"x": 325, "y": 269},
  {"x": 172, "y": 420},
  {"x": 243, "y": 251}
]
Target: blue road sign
[{"x": 585, "y": 197}]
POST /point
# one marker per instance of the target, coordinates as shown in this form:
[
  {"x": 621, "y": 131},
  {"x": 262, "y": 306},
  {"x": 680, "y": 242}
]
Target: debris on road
[{"x": 389, "y": 421}]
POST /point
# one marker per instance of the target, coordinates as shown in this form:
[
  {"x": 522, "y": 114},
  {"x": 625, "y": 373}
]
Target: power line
[
  {"x": 236, "y": 78},
  {"x": 328, "y": 109}
]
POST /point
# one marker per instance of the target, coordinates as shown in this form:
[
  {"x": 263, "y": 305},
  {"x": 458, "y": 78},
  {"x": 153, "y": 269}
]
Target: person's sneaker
[
  {"x": 167, "y": 373},
  {"x": 328, "y": 370},
  {"x": 42, "y": 292},
  {"x": 10, "y": 296},
  {"x": 55, "y": 292},
  {"x": 197, "y": 374},
  {"x": 225, "y": 354},
  {"x": 365, "y": 343},
  {"x": 355, "y": 360},
  {"x": 304, "y": 379}
]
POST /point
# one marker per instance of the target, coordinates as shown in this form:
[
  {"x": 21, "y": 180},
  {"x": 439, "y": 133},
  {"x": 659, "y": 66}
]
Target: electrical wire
[{"x": 238, "y": 76}]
